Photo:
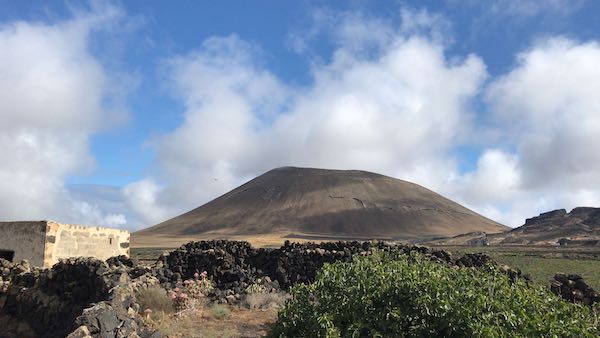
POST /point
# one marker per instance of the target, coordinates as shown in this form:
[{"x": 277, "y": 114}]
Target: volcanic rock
[{"x": 581, "y": 226}]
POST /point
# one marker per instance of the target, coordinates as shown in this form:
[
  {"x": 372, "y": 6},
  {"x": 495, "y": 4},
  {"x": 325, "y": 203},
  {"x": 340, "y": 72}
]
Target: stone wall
[
  {"x": 85, "y": 295},
  {"x": 233, "y": 266},
  {"x": 572, "y": 288},
  {"x": 44, "y": 243},
  {"x": 26, "y": 239},
  {"x": 66, "y": 240}
]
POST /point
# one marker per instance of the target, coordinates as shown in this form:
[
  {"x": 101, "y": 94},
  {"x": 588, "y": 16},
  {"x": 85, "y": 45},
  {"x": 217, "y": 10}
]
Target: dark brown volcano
[{"x": 326, "y": 203}]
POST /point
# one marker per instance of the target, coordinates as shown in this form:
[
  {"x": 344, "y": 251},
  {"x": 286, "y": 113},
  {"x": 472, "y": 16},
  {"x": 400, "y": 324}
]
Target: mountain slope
[
  {"x": 326, "y": 203},
  {"x": 581, "y": 226}
]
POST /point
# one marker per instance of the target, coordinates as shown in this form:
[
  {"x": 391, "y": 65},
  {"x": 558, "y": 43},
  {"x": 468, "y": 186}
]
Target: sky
[{"x": 128, "y": 113}]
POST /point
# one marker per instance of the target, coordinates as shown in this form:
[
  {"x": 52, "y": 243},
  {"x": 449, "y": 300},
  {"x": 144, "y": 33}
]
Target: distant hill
[
  {"x": 581, "y": 226},
  {"x": 306, "y": 203}
]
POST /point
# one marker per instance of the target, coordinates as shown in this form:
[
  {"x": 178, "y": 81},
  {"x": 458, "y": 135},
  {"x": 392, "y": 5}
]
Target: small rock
[{"x": 80, "y": 332}]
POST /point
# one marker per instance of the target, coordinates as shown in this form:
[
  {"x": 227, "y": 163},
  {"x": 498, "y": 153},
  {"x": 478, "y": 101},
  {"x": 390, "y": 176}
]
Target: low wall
[
  {"x": 26, "y": 239},
  {"x": 67, "y": 240}
]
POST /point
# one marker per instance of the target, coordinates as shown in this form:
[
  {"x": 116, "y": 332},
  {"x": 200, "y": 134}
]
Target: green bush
[{"x": 384, "y": 296}]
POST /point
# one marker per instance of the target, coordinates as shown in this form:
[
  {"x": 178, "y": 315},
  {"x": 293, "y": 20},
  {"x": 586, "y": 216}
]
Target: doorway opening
[{"x": 7, "y": 254}]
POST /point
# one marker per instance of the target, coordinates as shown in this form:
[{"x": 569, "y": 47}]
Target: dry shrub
[
  {"x": 266, "y": 300},
  {"x": 156, "y": 299},
  {"x": 219, "y": 311}
]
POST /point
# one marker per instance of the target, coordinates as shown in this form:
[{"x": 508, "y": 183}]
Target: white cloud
[
  {"x": 142, "y": 196},
  {"x": 398, "y": 110},
  {"x": 357, "y": 34},
  {"x": 92, "y": 214},
  {"x": 522, "y": 8},
  {"x": 392, "y": 102},
  {"x": 52, "y": 90},
  {"x": 496, "y": 178},
  {"x": 549, "y": 105},
  {"x": 547, "y": 109},
  {"x": 388, "y": 99},
  {"x": 534, "y": 7}
]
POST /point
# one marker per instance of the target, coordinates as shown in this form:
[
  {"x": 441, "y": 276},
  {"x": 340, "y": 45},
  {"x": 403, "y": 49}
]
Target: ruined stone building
[{"x": 43, "y": 243}]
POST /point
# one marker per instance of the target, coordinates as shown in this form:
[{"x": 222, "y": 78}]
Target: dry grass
[
  {"x": 213, "y": 323},
  {"x": 219, "y": 311},
  {"x": 262, "y": 240},
  {"x": 204, "y": 319},
  {"x": 266, "y": 300},
  {"x": 155, "y": 299}
]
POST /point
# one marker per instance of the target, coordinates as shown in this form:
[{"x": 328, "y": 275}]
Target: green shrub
[{"x": 384, "y": 296}]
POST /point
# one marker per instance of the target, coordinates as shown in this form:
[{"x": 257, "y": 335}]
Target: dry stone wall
[
  {"x": 80, "y": 294},
  {"x": 234, "y": 266},
  {"x": 573, "y": 288}
]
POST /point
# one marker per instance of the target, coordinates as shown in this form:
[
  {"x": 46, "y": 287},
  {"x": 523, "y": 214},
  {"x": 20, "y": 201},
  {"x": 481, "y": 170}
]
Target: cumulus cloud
[
  {"x": 52, "y": 91},
  {"x": 390, "y": 101},
  {"x": 496, "y": 178},
  {"x": 399, "y": 109},
  {"x": 551, "y": 105},
  {"x": 141, "y": 196},
  {"x": 547, "y": 109}
]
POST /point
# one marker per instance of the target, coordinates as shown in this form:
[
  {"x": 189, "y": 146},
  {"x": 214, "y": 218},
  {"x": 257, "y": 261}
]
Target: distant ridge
[
  {"x": 581, "y": 226},
  {"x": 315, "y": 203}
]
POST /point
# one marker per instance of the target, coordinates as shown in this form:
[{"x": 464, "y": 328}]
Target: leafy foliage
[{"x": 400, "y": 296}]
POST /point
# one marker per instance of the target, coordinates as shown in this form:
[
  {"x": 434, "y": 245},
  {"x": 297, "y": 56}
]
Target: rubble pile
[
  {"x": 6, "y": 270},
  {"x": 81, "y": 294},
  {"x": 572, "y": 288}
]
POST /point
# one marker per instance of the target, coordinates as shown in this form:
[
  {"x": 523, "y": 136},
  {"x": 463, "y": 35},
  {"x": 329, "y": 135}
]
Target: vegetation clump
[
  {"x": 409, "y": 296},
  {"x": 155, "y": 299},
  {"x": 219, "y": 311}
]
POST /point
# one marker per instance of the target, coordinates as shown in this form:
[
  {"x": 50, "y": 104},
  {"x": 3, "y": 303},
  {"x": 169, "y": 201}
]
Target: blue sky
[{"x": 126, "y": 113}]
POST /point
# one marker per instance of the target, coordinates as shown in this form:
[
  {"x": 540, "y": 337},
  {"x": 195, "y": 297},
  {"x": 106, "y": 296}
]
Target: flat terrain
[
  {"x": 238, "y": 323},
  {"x": 270, "y": 240},
  {"x": 543, "y": 262}
]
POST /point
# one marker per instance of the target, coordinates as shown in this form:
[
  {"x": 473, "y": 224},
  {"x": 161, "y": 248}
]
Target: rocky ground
[
  {"x": 580, "y": 227},
  {"x": 86, "y": 297}
]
